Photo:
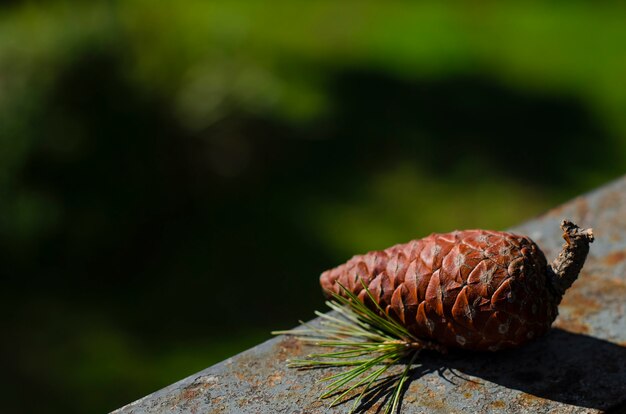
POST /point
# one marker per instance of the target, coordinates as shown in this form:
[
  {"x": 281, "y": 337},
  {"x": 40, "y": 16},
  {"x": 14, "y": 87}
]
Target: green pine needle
[{"x": 367, "y": 341}]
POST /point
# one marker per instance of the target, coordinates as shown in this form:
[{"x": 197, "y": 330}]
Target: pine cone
[{"x": 473, "y": 289}]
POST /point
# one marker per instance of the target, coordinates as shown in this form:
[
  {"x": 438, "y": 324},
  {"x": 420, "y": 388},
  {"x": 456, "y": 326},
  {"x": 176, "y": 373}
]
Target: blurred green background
[{"x": 175, "y": 176}]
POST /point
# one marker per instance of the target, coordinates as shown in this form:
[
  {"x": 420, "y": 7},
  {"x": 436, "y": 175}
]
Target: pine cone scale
[{"x": 472, "y": 289}]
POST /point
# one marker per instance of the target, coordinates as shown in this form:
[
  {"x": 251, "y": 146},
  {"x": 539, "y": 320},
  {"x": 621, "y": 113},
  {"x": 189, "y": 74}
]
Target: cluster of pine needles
[{"x": 367, "y": 341}]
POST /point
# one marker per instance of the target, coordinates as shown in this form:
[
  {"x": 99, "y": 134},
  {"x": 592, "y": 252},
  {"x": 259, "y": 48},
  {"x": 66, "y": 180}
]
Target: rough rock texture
[
  {"x": 473, "y": 289},
  {"x": 578, "y": 368}
]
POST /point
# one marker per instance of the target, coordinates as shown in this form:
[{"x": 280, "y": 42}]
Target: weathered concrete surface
[{"x": 579, "y": 367}]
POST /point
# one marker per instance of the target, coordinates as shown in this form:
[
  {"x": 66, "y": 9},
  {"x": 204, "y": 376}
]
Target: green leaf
[{"x": 368, "y": 341}]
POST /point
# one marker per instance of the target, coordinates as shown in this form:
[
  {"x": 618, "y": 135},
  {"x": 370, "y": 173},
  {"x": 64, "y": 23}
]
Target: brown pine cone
[{"x": 473, "y": 289}]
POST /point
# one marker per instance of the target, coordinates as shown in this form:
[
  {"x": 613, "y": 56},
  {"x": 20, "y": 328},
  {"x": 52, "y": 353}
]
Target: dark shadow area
[
  {"x": 566, "y": 367},
  {"x": 467, "y": 124},
  {"x": 618, "y": 409}
]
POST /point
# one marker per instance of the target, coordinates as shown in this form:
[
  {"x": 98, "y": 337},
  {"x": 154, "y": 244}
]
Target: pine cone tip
[
  {"x": 571, "y": 232},
  {"x": 568, "y": 264}
]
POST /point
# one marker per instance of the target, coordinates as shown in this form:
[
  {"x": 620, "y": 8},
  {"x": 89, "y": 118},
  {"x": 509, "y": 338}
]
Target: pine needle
[{"x": 369, "y": 342}]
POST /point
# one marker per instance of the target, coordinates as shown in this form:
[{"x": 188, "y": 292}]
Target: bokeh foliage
[{"x": 174, "y": 176}]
